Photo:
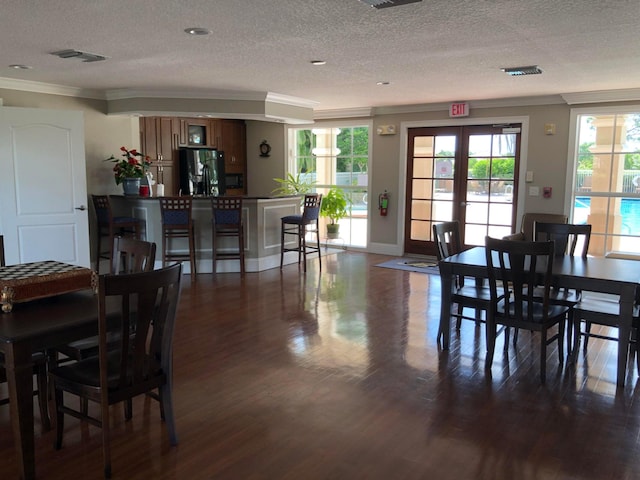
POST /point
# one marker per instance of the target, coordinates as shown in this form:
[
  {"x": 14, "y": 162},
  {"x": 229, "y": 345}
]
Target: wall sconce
[{"x": 265, "y": 149}]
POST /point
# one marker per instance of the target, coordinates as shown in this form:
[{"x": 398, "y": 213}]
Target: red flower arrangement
[{"x": 133, "y": 165}]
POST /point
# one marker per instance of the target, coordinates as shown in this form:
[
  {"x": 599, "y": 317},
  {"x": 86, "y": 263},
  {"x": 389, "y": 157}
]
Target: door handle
[{"x": 81, "y": 207}]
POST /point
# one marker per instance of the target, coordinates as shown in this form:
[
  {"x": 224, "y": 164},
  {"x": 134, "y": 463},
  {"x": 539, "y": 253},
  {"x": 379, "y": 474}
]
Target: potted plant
[
  {"x": 293, "y": 185},
  {"x": 130, "y": 169},
  {"x": 334, "y": 206}
]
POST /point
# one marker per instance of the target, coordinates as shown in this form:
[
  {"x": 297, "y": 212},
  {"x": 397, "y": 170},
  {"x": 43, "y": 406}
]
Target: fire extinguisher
[{"x": 383, "y": 203}]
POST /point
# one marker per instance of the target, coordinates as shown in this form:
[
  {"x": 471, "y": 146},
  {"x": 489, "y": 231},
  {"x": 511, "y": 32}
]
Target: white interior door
[{"x": 43, "y": 189}]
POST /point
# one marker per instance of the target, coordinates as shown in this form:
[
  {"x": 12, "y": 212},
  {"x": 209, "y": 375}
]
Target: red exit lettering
[{"x": 459, "y": 110}]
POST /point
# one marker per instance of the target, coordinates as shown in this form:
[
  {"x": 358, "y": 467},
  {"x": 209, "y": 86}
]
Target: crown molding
[
  {"x": 50, "y": 88},
  {"x": 343, "y": 113},
  {"x": 630, "y": 94}
]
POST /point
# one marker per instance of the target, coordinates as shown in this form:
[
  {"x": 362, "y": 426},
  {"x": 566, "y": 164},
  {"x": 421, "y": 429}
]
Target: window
[
  {"x": 336, "y": 157},
  {"x": 605, "y": 182}
]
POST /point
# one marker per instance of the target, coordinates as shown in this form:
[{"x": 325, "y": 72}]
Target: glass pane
[
  {"x": 480, "y": 145},
  {"x": 442, "y": 211},
  {"x": 628, "y": 244},
  {"x": 474, "y": 234},
  {"x": 500, "y": 214},
  {"x": 305, "y": 141},
  {"x": 423, "y": 146},
  {"x": 631, "y": 142},
  {"x": 444, "y": 168},
  {"x": 445, "y": 146},
  {"x": 477, "y": 212},
  {"x": 504, "y": 145},
  {"x": 503, "y": 168},
  {"x": 422, "y": 188},
  {"x": 422, "y": 167},
  {"x": 421, "y": 209},
  {"x": 444, "y": 189},
  {"x": 420, "y": 230},
  {"x": 478, "y": 168},
  {"x": 499, "y": 232}
]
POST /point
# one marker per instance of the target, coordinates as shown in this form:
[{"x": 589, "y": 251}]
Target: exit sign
[{"x": 459, "y": 110}]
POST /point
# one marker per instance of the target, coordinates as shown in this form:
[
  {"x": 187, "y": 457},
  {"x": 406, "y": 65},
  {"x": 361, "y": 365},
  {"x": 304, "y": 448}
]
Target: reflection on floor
[{"x": 337, "y": 374}]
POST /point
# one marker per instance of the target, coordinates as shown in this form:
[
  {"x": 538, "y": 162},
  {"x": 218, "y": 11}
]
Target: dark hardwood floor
[{"x": 337, "y": 375}]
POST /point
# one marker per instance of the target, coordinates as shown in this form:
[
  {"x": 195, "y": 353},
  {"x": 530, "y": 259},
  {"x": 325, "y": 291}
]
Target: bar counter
[{"x": 261, "y": 218}]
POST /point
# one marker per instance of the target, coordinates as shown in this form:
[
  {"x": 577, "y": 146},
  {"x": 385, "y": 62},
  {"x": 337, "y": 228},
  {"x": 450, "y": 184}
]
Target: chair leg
[
  {"x": 561, "y": 327},
  {"x": 166, "y": 403},
  {"x": 43, "y": 393},
  {"x": 491, "y": 343},
  {"x": 543, "y": 357},
  {"x": 281, "y": 243},
  {"x": 302, "y": 244},
  {"x": 587, "y": 330},
  {"x": 57, "y": 408},
  {"x": 241, "y": 248},
  {"x": 318, "y": 245},
  {"x": 214, "y": 269},
  {"x": 106, "y": 447},
  {"x": 192, "y": 252}
]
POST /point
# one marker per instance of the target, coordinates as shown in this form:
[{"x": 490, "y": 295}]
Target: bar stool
[
  {"x": 175, "y": 214},
  {"x": 297, "y": 225},
  {"x": 111, "y": 226},
  {"x": 226, "y": 221}
]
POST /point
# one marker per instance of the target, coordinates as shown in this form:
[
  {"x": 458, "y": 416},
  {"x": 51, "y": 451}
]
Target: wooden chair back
[
  {"x": 132, "y": 256},
  {"x": 227, "y": 213},
  {"x": 176, "y": 212},
  {"x": 311, "y": 207},
  {"x": 568, "y": 238},
  {"x": 447, "y": 238},
  {"x": 515, "y": 268},
  {"x": 102, "y": 207}
]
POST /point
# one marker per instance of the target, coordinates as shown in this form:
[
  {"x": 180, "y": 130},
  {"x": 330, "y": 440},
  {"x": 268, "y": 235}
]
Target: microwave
[{"x": 234, "y": 180}]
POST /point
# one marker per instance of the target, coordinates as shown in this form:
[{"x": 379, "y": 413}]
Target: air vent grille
[
  {"x": 84, "y": 56},
  {"x": 519, "y": 71},
  {"x": 387, "y": 3}
]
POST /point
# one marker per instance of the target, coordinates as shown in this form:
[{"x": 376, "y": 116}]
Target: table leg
[
  {"x": 444, "y": 328},
  {"x": 627, "y": 298},
  {"x": 20, "y": 381}
]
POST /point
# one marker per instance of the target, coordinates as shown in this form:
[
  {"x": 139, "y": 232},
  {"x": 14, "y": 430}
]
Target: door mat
[{"x": 419, "y": 265}]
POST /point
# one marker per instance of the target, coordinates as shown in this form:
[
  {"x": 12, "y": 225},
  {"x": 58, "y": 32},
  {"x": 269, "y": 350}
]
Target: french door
[{"x": 464, "y": 173}]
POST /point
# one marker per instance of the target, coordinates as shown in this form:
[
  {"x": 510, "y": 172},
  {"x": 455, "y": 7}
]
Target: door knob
[{"x": 81, "y": 207}]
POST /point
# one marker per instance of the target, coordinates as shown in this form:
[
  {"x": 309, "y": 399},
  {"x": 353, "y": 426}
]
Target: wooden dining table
[
  {"x": 596, "y": 274},
  {"x": 31, "y": 327}
]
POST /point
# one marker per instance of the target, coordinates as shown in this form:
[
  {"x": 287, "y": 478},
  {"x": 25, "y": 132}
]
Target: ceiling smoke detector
[
  {"x": 84, "y": 56},
  {"x": 387, "y": 3},
  {"x": 518, "y": 71}
]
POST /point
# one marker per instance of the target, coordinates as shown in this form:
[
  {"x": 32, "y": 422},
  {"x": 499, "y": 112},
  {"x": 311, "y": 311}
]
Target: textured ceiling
[{"x": 432, "y": 51}]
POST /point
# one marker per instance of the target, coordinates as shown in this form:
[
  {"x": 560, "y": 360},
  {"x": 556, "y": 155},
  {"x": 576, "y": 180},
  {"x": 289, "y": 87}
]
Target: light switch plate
[{"x": 529, "y": 176}]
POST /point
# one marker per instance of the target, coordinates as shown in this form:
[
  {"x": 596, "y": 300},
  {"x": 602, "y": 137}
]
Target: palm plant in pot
[{"x": 334, "y": 207}]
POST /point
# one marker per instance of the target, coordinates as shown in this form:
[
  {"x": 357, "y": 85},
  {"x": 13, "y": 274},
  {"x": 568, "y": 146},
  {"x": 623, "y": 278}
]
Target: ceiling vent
[
  {"x": 387, "y": 3},
  {"x": 84, "y": 56},
  {"x": 518, "y": 71}
]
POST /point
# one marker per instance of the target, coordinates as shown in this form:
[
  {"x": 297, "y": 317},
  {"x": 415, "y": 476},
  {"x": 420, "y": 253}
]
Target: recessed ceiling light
[
  {"x": 20, "y": 67},
  {"x": 318, "y": 62},
  {"x": 197, "y": 31},
  {"x": 518, "y": 71},
  {"x": 385, "y": 82}
]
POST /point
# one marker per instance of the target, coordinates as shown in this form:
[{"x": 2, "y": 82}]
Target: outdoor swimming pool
[{"x": 629, "y": 211}]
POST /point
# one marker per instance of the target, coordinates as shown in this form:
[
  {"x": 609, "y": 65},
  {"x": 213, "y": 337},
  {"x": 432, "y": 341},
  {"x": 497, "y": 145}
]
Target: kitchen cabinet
[
  {"x": 161, "y": 137},
  {"x": 234, "y": 146}
]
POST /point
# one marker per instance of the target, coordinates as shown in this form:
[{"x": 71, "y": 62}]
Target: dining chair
[
  {"x": 226, "y": 221},
  {"x": 177, "y": 222},
  {"x": 129, "y": 256},
  {"x": 39, "y": 361},
  {"x": 513, "y": 267},
  {"x": 476, "y": 296},
  {"x": 569, "y": 240},
  {"x": 298, "y": 226},
  {"x": 141, "y": 361},
  {"x": 528, "y": 222},
  {"x": 110, "y": 225}
]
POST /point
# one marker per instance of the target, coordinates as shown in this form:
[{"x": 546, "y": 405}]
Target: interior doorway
[{"x": 465, "y": 173}]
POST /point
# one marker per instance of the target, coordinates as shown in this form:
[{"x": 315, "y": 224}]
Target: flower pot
[
  {"x": 333, "y": 230},
  {"x": 131, "y": 186}
]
